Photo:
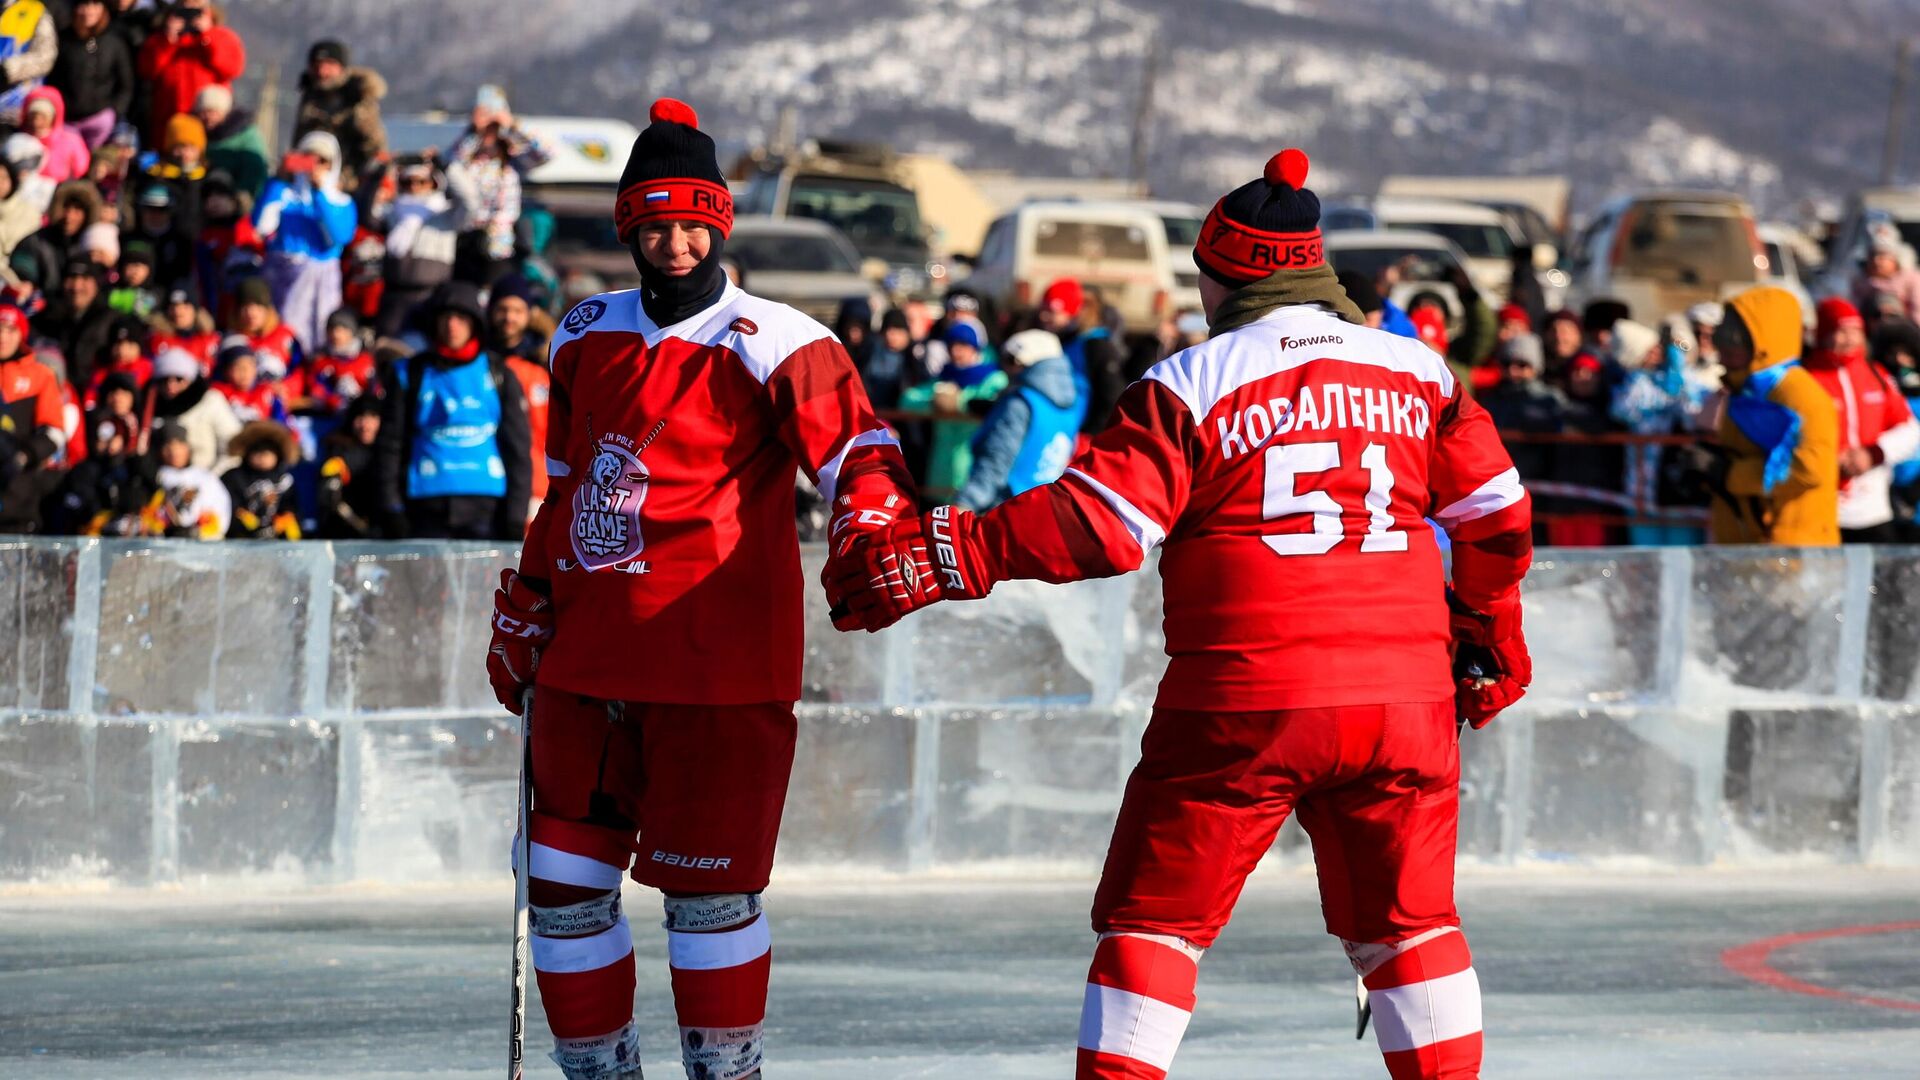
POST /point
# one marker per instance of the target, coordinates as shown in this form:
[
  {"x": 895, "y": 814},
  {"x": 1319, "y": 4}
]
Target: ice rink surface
[{"x": 1586, "y": 976}]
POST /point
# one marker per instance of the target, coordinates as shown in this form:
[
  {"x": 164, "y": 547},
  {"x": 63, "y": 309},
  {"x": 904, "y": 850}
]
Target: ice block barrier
[{"x": 319, "y": 712}]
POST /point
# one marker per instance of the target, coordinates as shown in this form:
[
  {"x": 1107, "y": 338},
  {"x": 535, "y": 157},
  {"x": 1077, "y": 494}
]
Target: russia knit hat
[
  {"x": 1264, "y": 226},
  {"x": 672, "y": 174}
]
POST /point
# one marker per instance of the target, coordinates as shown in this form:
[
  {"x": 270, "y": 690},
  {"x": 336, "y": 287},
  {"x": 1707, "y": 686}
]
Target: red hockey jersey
[
  {"x": 668, "y": 529},
  {"x": 1290, "y": 468}
]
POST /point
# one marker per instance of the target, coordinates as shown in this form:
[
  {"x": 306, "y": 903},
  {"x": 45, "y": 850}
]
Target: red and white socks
[
  {"x": 1426, "y": 1004},
  {"x": 720, "y": 954},
  {"x": 1139, "y": 999},
  {"x": 583, "y": 947}
]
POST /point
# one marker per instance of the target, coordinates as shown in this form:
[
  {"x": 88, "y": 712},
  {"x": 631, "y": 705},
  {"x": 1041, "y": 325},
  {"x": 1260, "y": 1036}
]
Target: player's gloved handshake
[
  {"x": 896, "y": 570},
  {"x": 522, "y": 626},
  {"x": 1491, "y": 667}
]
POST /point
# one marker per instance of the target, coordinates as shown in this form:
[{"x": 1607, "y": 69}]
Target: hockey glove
[
  {"x": 1491, "y": 668},
  {"x": 911, "y": 564},
  {"x": 855, "y": 517},
  {"x": 522, "y": 626}
]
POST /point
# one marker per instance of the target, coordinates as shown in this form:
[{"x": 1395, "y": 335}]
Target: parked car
[
  {"x": 1426, "y": 261},
  {"x": 807, "y": 264},
  {"x": 1870, "y": 211},
  {"x": 1481, "y": 233},
  {"x": 1783, "y": 266},
  {"x": 1182, "y": 222},
  {"x": 859, "y": 189},
  {"x": 1663, "y": 252},
  {"x": 1122, "y": 248}
]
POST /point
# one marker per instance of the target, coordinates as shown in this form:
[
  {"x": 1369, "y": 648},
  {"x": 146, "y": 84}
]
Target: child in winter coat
[
  {"x": 125, "y": 354},
  {"x": 135, "y": 292},
  {"x": 45, "y": 119},
  {"x": 340, "y": 372},
  {"x": 188, "y": 329},
  {"x": 256, "y": 318},
  {"x": 261, "y": 486},
  {"x": 251, "y": 397},
  {"x": 106, "y": 494}
]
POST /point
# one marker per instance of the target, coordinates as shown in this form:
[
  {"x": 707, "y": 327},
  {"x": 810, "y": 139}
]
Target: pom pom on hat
[
  {"x": 1288, "y": 167},
  {"x": 672, "y": 111}
]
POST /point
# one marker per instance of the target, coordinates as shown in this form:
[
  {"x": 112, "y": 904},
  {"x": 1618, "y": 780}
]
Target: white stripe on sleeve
[
  {"x": 1146, "y": 532},
  {"x": 830, "y": 472},
  {"x": 1489, "y": 498}
]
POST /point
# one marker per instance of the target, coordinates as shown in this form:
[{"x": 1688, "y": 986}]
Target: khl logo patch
[{"x": 583, "y": 315}]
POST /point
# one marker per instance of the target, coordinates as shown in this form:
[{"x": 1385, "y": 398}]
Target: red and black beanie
[
  {"x": 672, "y": 175},
  {"x": 1264, "y": 226}
]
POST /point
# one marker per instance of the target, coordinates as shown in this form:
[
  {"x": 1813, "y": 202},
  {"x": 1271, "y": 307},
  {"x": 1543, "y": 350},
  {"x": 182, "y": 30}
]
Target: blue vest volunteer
[
  {"x": 456, "y": 422},
  {"x": 1051, "y": 433}
]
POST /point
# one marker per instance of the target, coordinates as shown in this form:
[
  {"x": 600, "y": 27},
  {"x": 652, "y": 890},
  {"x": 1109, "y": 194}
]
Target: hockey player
[
  {"x": 1289, "y": 465},
  {"x": 657, "y": 608}
]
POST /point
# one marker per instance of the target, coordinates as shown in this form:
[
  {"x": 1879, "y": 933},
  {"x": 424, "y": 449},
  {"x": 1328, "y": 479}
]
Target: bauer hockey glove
[
  {"x": 1491, "y": 667},
  {"x": 522, "y": 626},
  {"x": 911, "y": 564},
  {"x": 855, "y": 517}
]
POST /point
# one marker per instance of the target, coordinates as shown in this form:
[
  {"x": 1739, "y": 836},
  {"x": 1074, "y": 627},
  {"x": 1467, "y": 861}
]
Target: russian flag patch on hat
[{"x": 657, "y": 197}]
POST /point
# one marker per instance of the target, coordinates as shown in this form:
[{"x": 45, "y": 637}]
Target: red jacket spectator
[
  {"x": 189, "y": 51},
  {"x": 1877, "y": 429},
  {"x": 536, "y": 384}
]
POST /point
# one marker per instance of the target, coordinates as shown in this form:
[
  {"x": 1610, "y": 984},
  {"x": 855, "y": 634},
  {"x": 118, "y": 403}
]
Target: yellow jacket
[{"x": 1804, "y": 509}]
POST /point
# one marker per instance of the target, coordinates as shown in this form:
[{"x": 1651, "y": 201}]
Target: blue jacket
[
  {"x": 1396, "y": 321},
  {"x": 301, "y": 219},
  {"x": 1028, "y": 438}
]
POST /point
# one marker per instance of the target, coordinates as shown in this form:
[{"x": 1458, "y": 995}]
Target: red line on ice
[{"x": 1753, "y": 961}]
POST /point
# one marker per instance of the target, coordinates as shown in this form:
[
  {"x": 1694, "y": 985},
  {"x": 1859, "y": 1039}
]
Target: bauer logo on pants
[{"x": 606, "y": 505}]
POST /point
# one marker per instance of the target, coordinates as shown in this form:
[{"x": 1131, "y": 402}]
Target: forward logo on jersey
[{"x": 606, "y": 505}]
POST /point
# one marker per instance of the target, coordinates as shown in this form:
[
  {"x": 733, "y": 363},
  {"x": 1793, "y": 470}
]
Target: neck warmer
[
  {"x": 463, "y": 354},
  {"x": 1314, "y": 285},
  {"x": 667, "y": 299},
  {"x": 969, "y": 376}
]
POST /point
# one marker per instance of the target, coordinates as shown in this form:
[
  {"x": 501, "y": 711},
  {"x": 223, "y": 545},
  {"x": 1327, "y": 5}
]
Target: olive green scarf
[{"x": 1280, "y": 289}]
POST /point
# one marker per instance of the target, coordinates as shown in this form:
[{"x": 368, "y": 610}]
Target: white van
[
  {"x": 1480, "y": 232},
  {"x": 1122, "y": 248}
]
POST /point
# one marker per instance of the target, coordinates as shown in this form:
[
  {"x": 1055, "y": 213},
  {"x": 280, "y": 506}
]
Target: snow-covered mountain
[{"x": 1784, "y": 100}]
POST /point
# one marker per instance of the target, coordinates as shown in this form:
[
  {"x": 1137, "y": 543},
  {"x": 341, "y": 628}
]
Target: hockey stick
[
  {"x": 1362, "y": 1007},
  {"x": 522, "y": 871}
]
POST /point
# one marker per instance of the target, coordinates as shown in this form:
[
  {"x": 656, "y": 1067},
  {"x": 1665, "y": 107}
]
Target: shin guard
[
  {"x": 720, "y": 955},
  {"x": 1426, "y": 1004},
  {"x": 1139, "y": 999}
]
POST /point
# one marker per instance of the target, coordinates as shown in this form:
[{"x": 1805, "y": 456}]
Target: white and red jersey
[
  {"x": 1874, "y": 416},
  {"x": 1290, "y": 468},
  {"x": 668, "y": 529}
]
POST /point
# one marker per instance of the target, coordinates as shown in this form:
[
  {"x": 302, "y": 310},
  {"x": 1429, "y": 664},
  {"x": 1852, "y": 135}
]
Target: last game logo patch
[
  {"x": 583, "y": 315},
  {"x": 606, "y": 505}
]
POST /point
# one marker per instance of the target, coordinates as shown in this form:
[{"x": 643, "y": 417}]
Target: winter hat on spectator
[
  {"x": 213, "y": 97},
  {"x": 1263, "y": 226},
  {"x": 175, "y": 364},
  {"x": 961, "y": 301},
  {"x": 344, "y": 318},
  {"x": 1833, "y": 313},
  {"x": 177, "y": 296},
  {"x": 963, "y": 332},
  {"x": 102, "y": 238},
  {"x": 185, "y": 129},
  {"x": 511, "y": 286},
  {"x": 118, "y": 380},
  {"x": 461, "y": 298},
  {"x": 1706, "y": 313},
  {"x": 1431, "y": 322},
  {"x": 328, "y": 49},
  {"x": 672, "y": 174},
  {"x": 156, "y": 197},
  {"x": 1362, "y": 291},
  {"x": 894, "y": 319},
  {"x": 126, "y": 328},
  {"x": 137, "y": 251},
  {"x": 1030, "y": 347},
  {"x": 253, "y": 290},
  {"x": 170, "y": 432},
  {"x": 1602, "y": 314},
  {"x": 266, "y": 434},
  {"x": 1632, "y": 342},
  {"x": 12, "y": 315},
  {"x": 1522, "y": 349},
  {"x": 85, "y": 268},
  {"x": 1514, "y": 313},
  {"x": 1064, "y": 296}
]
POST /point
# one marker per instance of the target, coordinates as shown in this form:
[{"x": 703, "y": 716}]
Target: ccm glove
[
  {"x": 911, "y": 564},
  {"x": 522, "y": 626},
  {"x": 855, "y": 517},
  {"x": 1491, "y": 667}
]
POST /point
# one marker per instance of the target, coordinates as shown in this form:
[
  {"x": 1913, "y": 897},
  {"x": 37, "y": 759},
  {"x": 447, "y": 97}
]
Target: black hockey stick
[
  {"x": 522, "y": 871},
  {"x": 1362, "y": 1007}
]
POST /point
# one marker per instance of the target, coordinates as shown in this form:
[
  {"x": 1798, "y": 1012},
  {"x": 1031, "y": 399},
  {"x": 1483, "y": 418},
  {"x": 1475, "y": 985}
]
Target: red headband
[
  {"x": 1238, "y": 253},
  {"x": 673, "y": 200}
]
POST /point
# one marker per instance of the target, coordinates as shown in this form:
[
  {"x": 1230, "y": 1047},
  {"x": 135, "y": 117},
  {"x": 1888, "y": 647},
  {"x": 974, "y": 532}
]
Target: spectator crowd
[{"x": 203, "y": 335}]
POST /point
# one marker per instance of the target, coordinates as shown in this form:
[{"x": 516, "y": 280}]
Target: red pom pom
[
  {"x": 1288, "y": 167},
  {"x": 669, "y": 111}
]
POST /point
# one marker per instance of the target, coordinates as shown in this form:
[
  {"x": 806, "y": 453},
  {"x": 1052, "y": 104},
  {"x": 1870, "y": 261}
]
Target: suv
[
  {"x": 857, "y": 189},
  {"x": 1480, "y": 232},
  {"x": 1125, "y": 249},
  {"x": 1664, "y": 252}
]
